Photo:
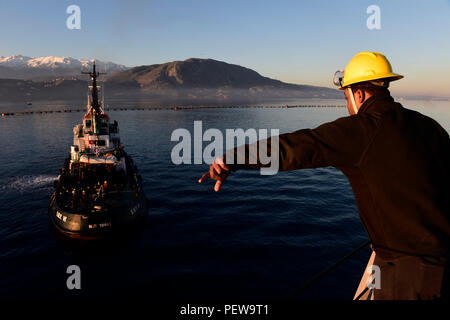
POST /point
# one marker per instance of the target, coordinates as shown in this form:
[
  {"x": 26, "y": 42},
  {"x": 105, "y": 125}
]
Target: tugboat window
[
  {"x": 104, "y": 127},
  {"x": 88, "y": 123},
  {"x": 100, "y": 142}
]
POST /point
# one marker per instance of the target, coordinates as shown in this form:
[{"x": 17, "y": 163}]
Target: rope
[{"x": 332, "y": 267}]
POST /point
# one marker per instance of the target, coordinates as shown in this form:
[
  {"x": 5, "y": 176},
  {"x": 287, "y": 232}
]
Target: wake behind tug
[{"x": 99, "y": 190}]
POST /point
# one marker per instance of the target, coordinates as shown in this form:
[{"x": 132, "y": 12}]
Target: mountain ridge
[
  {"x": 201, "y": 73},
  {"x": 194, "y": 80},
  {"x": 49, "y": 67}
]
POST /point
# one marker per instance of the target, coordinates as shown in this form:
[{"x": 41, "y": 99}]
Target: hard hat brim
[{"x": 389, "y": 77}]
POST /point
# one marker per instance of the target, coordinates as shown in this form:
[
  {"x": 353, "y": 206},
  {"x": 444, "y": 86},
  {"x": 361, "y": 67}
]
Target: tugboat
[{"x": 98, "y": 190}]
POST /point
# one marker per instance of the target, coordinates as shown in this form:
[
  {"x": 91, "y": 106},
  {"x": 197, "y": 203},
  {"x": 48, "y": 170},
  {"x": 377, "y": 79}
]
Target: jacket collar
[{"x": 369, "y": 103}]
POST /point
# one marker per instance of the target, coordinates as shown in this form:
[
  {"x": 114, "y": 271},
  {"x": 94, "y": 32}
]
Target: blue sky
[{"x": 293, "y": 41}]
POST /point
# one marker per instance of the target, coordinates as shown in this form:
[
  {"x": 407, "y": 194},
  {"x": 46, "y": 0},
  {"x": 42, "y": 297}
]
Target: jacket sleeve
[{"x": 338, "y": 143}]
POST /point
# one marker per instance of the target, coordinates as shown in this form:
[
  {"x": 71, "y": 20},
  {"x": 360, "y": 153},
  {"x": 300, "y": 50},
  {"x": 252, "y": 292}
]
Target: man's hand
[{"x": 217, "y": 171}]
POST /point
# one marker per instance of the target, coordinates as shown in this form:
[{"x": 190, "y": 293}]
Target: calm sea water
[{"x": 260, "y": 237}]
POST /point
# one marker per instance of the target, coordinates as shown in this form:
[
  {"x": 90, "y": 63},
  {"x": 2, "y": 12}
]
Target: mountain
[
  {"x": 196, "y": 73},
  {"x": 46, "y": 68},
  {"x": 193, "y": 81},
  {"x": 202, "y": 78},
  {"x": 193, "y": 73}
]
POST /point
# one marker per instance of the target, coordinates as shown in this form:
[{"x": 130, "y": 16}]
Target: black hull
[{"x": 87, "y": 225}]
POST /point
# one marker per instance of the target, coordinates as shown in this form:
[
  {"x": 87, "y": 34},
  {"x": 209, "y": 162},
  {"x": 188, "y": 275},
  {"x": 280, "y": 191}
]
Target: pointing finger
[{"x": 217, "y": 186}]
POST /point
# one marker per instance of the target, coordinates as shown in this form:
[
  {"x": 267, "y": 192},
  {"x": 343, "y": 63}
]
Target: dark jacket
[{"x": 398, "y": 164}]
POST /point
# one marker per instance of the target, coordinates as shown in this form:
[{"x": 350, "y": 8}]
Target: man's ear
[{"x": 360, "y": 95}]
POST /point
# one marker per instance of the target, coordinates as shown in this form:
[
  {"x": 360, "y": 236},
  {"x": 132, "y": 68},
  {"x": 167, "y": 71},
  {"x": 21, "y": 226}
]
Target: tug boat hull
[{"x": 97, "y": 225}]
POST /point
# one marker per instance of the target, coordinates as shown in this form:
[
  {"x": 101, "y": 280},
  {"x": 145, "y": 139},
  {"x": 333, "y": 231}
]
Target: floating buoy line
[{"x": 176, "y": 108}]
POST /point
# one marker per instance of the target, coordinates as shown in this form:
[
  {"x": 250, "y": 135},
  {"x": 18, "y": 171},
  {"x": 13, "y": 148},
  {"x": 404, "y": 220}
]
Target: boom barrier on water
[{"x": 175, "y": 108}]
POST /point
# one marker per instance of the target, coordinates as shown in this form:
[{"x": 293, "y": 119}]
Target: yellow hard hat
[{"x": 365, "y": 66}]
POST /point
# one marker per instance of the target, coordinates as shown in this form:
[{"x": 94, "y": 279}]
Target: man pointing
[{"x": 398, "y": 164}]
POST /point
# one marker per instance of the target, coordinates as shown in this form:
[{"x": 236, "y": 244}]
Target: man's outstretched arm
[{"x": 337, "y": 143}]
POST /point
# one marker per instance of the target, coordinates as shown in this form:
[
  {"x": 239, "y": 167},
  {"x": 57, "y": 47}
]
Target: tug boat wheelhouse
[{"x": 99, "y": 189}]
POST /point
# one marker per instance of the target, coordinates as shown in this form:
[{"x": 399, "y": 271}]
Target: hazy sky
[{"x": 294, "y": 41}]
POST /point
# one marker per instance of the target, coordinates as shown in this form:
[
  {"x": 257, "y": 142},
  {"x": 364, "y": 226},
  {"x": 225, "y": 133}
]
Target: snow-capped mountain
[
  {"x": 14, "y": 61},
  {"x": 22, "y": 67}
]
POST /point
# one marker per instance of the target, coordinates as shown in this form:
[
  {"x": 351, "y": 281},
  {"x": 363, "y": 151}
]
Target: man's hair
[{"x": 371, "y": 88}]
